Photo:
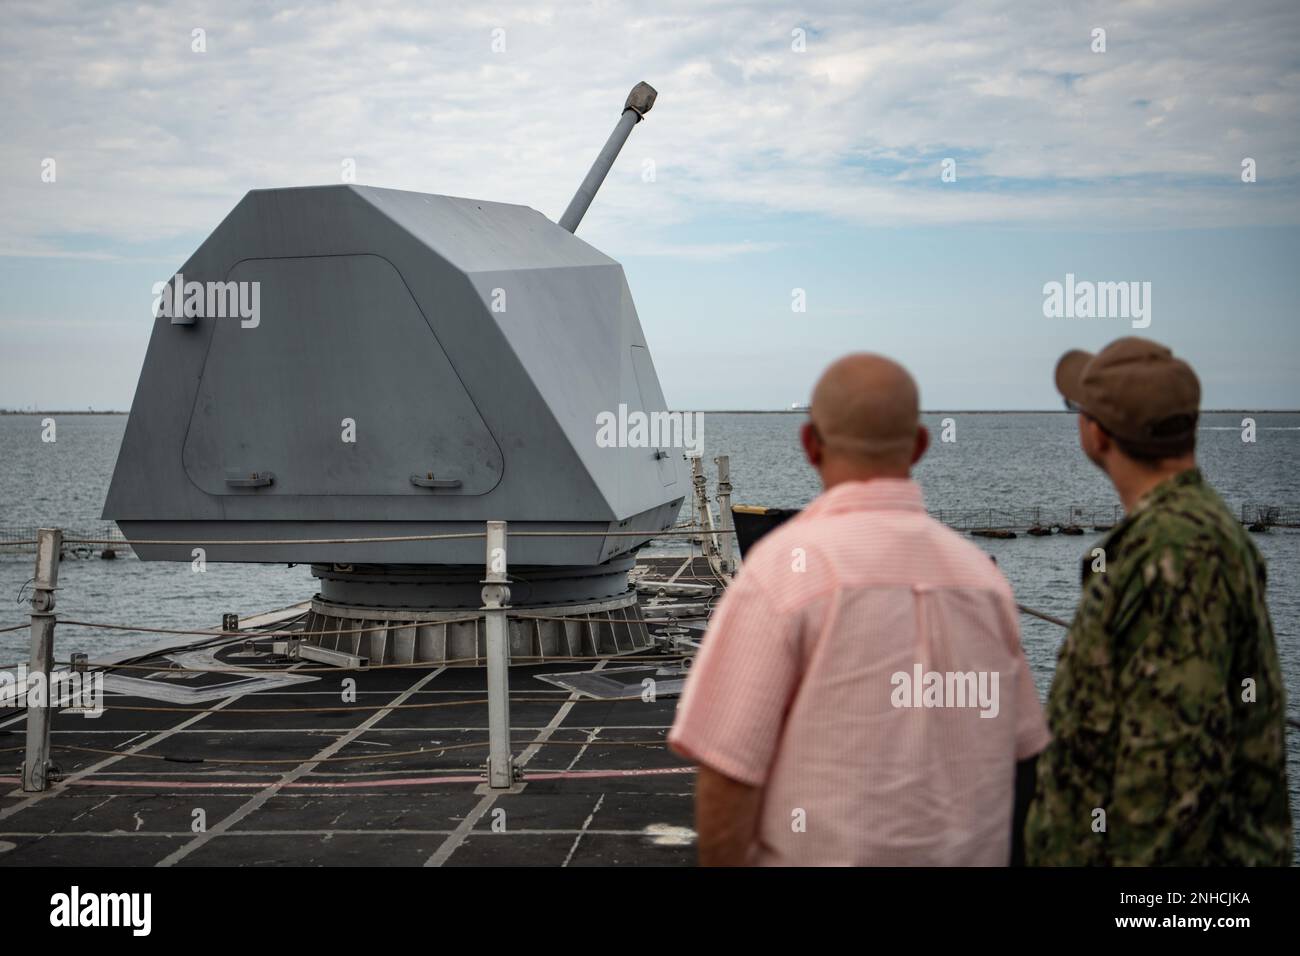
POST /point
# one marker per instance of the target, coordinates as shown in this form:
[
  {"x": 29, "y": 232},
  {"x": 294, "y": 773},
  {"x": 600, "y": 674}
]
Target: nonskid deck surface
[{"x": 601, "y": 788}]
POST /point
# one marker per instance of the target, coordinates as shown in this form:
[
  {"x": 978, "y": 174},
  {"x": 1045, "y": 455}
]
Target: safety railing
[
  {"x": 715, "y": 538},
  {"x": 496, "y": 611},
  {"x": 109, "y": 541},
  {"x": 1291, "y": 722},
  {"x": 1262, "y": 516}
]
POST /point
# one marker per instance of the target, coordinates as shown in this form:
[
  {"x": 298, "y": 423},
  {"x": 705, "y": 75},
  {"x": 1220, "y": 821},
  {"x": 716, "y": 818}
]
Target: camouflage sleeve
[
  {"x": 1174, "y": 715},
  {"x": 1066, "y": 819}
]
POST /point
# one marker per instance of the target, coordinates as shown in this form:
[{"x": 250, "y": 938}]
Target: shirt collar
[
  {"x": 1191, "y": 478},
  {"x": 877, "y": 494},
  {"x": 1170, "y": 487}
]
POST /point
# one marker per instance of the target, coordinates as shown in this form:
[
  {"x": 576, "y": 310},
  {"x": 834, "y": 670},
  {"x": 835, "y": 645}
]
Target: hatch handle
[
  {"x": 251, "y": 479},
  {"x": 428, "y": 481}
]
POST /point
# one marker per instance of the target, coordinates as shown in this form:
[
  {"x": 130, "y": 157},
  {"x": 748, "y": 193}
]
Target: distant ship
[{"x": 798, "y": 406}]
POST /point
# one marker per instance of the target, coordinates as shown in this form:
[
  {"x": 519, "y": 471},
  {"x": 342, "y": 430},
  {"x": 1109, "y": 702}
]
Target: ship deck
[{"x": 311, "y": 779}]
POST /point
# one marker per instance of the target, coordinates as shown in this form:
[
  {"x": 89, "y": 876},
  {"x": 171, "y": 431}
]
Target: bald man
[{"x": 861, "y": 697}]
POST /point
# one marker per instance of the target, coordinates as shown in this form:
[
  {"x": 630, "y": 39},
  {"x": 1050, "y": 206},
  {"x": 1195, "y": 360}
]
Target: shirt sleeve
[
  {"x": 1175, "y": 717},
  {"x": 1032, "y": 735},
  {"x": 734, "y": 705},
  {"x": 1075, "y": 771}
]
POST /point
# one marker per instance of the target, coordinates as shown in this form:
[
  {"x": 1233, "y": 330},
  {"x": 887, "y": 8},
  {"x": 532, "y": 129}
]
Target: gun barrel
[{"x": 639, "y": 102}]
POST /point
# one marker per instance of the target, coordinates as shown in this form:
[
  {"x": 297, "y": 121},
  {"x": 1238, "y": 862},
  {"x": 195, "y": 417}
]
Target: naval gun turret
[{"x": 344, "y": 362}]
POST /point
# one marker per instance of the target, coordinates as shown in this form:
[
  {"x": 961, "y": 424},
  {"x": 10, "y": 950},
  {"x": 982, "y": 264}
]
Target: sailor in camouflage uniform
[{"x": 1168, "y": 709}]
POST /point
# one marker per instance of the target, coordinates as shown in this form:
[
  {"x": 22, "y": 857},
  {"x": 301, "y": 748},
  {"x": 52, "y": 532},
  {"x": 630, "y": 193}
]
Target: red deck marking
[{"x": 360, "y": 784}]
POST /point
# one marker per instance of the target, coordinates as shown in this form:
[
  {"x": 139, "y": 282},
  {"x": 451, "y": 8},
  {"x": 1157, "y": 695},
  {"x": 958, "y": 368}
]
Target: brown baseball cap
[{"x": 1137, "y": 390}]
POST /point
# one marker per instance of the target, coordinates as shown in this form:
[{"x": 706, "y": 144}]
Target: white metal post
[
  {"x": 726, "y": 539},
  {"x": 496, "y": 600},
  {"x": 36, "y": 758},
  {"x": 697, "y": 519},
  {"x": 708, "y": 544}
]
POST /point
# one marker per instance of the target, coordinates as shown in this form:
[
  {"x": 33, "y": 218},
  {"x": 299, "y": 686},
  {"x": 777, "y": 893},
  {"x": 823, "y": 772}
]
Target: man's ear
[
  {"x": 922, "y": 443},
  {"x": 1100, "y": 440},
  {"x": 1095, "y": 440},
  {"x": 812, "y": 448}
]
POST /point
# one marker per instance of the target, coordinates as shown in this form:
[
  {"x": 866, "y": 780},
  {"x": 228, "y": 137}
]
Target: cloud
[{"x": 153, "y": 140}]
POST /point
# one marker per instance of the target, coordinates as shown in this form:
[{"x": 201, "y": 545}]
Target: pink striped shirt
[{"x": 865, "y": 670}]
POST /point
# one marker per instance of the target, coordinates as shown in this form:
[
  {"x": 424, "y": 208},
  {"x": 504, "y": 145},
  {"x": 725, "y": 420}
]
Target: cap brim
[{"x": 1069, "y": 372}]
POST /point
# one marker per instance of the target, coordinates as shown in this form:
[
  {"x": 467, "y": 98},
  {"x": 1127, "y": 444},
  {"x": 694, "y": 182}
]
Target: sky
[{"x": 797, "y": 152}]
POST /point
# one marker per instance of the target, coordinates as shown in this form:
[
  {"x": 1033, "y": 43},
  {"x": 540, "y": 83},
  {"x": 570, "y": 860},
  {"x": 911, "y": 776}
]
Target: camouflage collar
[
  {"x": 1161, "y": 493},
  {"x": 1191, "y": 478}
]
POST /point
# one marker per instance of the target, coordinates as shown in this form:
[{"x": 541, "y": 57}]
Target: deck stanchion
[
  {"x": 708, "y": 538},
  {"x": 496, "y": 601},
  {"x": 36, "y": 758},
  {"x": 699, "y": 501},
  {"x": 726, "y": 540}
]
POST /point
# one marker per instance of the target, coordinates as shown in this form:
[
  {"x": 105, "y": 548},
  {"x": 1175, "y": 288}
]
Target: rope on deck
[
  {"x": 361, "y": 757},
  {"x": 251, "y": 635},
  {"x": 426, "y": 665},
  {"x": 481, "y": 701}
]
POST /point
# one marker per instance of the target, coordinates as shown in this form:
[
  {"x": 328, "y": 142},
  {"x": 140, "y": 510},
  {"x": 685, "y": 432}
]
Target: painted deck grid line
[
  {"x": 453, "y": 842},
  {"x": 82, "y": 832},
  {"x": 173, "y": 858},
  {"x": 128, "y": 809}
]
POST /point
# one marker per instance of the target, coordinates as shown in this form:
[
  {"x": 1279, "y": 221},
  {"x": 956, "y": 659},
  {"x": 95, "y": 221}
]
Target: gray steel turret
[{"x": 418, "y": 364}]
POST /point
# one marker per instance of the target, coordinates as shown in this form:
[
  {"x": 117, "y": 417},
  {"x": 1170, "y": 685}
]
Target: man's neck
[
  {"x": 1134, "y": 482},
  {"x": 837, "y": 475}
]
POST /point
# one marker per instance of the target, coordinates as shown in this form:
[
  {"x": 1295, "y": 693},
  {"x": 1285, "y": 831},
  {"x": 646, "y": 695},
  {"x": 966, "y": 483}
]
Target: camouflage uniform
[{"x": 1147, "y": 709}]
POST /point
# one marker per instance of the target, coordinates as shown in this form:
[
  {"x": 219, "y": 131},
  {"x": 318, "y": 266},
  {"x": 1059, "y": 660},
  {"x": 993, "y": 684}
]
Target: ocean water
[{"x": 998, "y": 461}]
